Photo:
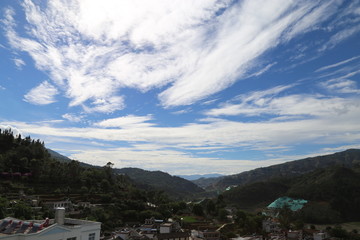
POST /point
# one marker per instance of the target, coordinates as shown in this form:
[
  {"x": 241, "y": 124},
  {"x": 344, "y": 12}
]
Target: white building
[
  {"x": 60, "y": 228},
  {"x": 320, "y": 235},
  {"x": 67, "y": 204}
]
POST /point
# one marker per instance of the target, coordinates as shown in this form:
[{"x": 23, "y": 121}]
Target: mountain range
[
  {"x": 200, "y": 176},
  {"x": 330, "y": 183},
  {"x": 181, "y": 188},
  {"x": 348, "y": 158},
  {"x": 176, "y": 187}
]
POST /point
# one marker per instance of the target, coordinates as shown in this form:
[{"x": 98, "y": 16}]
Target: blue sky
[{"x": 186, "y": 87}]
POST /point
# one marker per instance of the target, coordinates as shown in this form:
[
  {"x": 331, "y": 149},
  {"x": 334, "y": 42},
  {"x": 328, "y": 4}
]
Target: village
[{"x": 63, "y": 228}]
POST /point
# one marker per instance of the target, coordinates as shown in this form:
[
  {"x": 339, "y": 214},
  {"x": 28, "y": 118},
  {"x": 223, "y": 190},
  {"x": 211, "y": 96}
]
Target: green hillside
[
  {"x": 28, "y": 172},
  {"x": 333, "y": 194},
  {"x": 172, "y": 185},
  {"x": 346, "y": 158}
]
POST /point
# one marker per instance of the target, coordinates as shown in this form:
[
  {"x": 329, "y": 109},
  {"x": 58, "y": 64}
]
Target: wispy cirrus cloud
[
  {"x": 317, "y": 119},
  {"x": 126, "y": 122},
  {"x": 73, "y": 117},
  {"x": 341, "y": 86},
  {"x": 337, "y": 64},
  {"x": 174, "y": 161},
  {"x": 42, "y": 94},
  {"x": 170, "y": 148},
  {"x": 340, "y": 36},
  {"x": 275, "y": 104},
  {"x": 251, "y": 104},
  {"x": 92, "y": 51},
  {"x": 19, "y": 63}
]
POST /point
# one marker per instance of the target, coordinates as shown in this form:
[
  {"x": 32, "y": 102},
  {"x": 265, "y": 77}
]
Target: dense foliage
[
  {"x": 176, "y": 187},
  {"x": 29, "y": 172},
  {"x": 333, "y": 194},
  {"x": 348, "y": 158}
]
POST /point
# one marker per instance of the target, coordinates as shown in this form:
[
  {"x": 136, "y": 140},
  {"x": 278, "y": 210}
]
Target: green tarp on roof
[{"x": 293, "y": 204}]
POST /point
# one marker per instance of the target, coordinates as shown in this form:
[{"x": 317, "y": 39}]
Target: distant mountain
[
  {"x": 207, "y": 183},
  {"x": 174, "y": 186},
  {"x": 333, "y": 194},
  {"x": 61, "y": 158},
  {"x": 58, "y": 156},
  {"x": 198, "y": 176},
  {"x": 347, "y": 158},
  {"x": 149, "y": 180}
]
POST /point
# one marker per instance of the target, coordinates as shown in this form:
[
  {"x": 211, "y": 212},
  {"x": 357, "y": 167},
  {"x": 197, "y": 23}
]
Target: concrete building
[
  {"x": 209, "y": 234},
  {"x": 60, "y": 228},
  {"x": 67, "y": 204}
]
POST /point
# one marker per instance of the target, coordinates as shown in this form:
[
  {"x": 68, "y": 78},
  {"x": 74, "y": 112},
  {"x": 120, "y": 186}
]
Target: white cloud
[
  {"x": 183, "y": 111},
  {"x": 341, "y": 86},
  {"x": 254, "y": 103},
  {"x": 263, "y": 70},
  {"x": 341, "y": 148},
  {"x": 73, "y": 117},
  {"x": 300, "y": 106},
  {"x": 248, "y": 29},
  {"x": 340, "y": 37},
  {"x": 331, "y": 120},
  {"x": 92, "y": 50},
  {"x": 106, "y": 105},
  {"x": 174, "y": 162},
  {"x": 14, "y": 129},
  {"x": 295, "y": 119},
  {"x": 310, "y": 21},
  {"x": 126, "y": 122},
  {"x": 337, "y": 64},
  {"x": 19, "y": 63},
  {"x": 42, "y": 94}
]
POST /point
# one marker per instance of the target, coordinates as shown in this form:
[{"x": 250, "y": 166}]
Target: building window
[
  {"x": 92, "y": 236},
  {"x": 73, "y": 238}
]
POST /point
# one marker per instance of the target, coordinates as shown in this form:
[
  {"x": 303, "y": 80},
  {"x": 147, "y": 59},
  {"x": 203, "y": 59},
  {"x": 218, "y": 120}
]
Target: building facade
[{"x": 60, "y": 228}]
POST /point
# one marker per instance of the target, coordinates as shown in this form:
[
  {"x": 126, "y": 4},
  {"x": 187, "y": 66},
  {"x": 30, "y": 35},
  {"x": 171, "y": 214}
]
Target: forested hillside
[
  {"x": 333, "y": 194},
  {"x": 346, "y": 158},
  {"x": 29, "y": 172},
  {"x": 172, "y": 185}
]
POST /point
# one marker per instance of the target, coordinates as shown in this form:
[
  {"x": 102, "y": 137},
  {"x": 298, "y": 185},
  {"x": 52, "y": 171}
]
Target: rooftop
[
  {"x": 12, "y": 226},
  {"x": 293, "y": 204}
]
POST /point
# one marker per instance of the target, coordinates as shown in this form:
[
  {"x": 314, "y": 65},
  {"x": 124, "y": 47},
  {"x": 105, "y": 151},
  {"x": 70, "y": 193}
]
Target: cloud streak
[
  {"x": 19, "y": 63},
  {"x": 92, "y": 51},
  {"x": 42, "y": 95},
  {"x": 172, "y": 84}
]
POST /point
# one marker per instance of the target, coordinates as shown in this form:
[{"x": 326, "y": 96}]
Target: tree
[
  {"x": 285, "y": 217},
  {"x": 339, "y": 232},
  {"x": 4, "y": 203},
  {"x": 198, "y": 210},
  {"x": 22, "y": 211},
  {"x": 222, "y": 215},
  {"x": 105, "y": 185},
  {"x": 109, "y": 165},
  {"x": 210, "y": 207},
  {"x": 240, "y": 216}
]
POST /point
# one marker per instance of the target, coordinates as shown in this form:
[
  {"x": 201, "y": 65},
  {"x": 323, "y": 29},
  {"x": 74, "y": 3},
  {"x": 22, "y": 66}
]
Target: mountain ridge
[
  {"x": 345, "y": 158},
  {"x": 173, "y": 185},
  {"x": 195, "y": 177},
  {"x": 333, "y": 194}
]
